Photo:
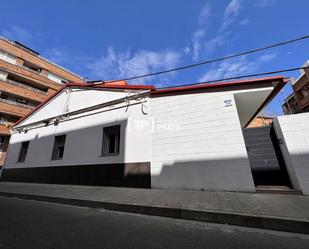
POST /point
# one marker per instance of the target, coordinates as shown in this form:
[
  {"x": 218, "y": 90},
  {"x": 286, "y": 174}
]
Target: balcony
[
  {"x": 35, "y": 90},
  {"x": 14, "y": 108},
  {"x": 29, "y": 74},
  {"x": 5, "y": 129},
  {"x": 22, "y": 90}
]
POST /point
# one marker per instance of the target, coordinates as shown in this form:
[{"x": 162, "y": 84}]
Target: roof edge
[
  {"x": 39, "y": 106},
  {"x": 215, "y": 85}
]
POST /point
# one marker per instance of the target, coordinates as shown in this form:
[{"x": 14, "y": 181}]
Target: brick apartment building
[
  {"x": 298, "y": 101},
  {"x": 26, "y": 80}
]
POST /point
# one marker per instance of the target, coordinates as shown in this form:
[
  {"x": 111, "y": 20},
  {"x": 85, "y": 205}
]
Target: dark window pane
[
  {"x": 58, "y": 150},
  {"x": 23, "y": 151},
  {"x": 111, "y": 140}
]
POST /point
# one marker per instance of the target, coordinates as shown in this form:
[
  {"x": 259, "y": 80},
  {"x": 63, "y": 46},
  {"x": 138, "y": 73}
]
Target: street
[{"x": 33, "y": 224}]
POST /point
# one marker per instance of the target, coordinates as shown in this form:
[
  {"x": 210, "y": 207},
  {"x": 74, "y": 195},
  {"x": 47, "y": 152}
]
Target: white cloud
[
  {"x": 230, "y": 14},
  {"x": 233, "y": 8},
  {"x": 197, "y": 43},
  {"x": 244, "y": 21},
  {"x": 230, "y": 68},
  {"x": 187, "y": 50},
  {"x": 211, "y": 45},
  {"x": 264, "y": 3},
  {"x": 236, "y": 67},
  {"x": 205, "y": 15},
  {"x": 17, "y": 33},
  {"x": 201, "y": 44},
  {"x": 267, "y": 57},
  {"x": 114, "y": 65},
  {"x": 198, "y": 35}
]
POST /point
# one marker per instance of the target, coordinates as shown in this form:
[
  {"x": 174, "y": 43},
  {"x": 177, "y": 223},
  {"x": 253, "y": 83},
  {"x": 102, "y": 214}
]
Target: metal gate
[{"x": 266, "y": 160}]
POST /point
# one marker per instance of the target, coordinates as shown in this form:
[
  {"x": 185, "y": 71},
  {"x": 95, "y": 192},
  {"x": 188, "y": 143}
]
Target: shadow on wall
[
  {"x": 83, "y": 163},
  {"x": 231, "y": 174}
]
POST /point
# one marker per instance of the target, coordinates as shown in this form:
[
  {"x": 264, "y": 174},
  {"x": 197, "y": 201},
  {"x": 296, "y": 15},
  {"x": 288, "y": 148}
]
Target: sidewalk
[{"x": 270, "y": 211}]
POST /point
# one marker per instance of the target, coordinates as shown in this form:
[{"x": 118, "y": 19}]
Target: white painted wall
[
  {"x": 84, "y": 138},
  {"x": 73, "y": 100},
  {"x": 194, "y": 141},
  {"x": 206, "y": 150},
  {"x": 293, "y": 130}
]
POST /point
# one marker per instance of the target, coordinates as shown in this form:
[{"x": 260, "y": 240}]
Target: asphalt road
[{"x": 32, "y": 224}]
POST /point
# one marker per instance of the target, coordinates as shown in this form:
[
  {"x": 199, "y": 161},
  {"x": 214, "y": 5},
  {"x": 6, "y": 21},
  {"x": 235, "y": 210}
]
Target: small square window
[
  {"x": 23, "y": 152},
  {"x": 58, "y": 150},
  {"x": 111, "y": 140}
]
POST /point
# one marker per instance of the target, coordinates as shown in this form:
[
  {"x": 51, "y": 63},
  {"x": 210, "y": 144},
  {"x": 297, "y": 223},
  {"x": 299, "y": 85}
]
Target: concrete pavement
[
  {"x": 38, "y": 225},
  {"x": 270, "y": 211}
]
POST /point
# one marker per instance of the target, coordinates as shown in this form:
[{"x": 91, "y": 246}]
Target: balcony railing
[
  {"x": 25, "y": 68},
  {"x": 6, "y": 122},
  {"x": 15, "y": 83},
  {"x": 11, "y": 102}
]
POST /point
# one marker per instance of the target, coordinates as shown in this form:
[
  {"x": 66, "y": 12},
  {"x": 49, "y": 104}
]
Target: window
[
  {"x": 21, "y": 100},
  {"x": 7, "y": 57},
  {"x": 111, "y": 140},
  {"x": 23, "y": 152},
  {"x": 2, "y": 141},
  {"x": 56, "y": 78},
  {"x": 58, "y": 147}
]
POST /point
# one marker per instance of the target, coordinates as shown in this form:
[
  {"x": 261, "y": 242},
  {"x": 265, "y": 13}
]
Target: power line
[
  {"x": 210, "y": 61},
  {"x": 238, "y": 77}
]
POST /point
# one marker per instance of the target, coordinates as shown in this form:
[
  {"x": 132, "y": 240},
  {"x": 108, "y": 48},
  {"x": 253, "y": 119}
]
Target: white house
[{"x": 135, "y": 135}]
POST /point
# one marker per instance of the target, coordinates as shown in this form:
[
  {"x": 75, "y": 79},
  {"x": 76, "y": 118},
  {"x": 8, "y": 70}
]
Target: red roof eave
[
  {"x": 153, "y": 90},
  {"x": 216, "y": 85},
  {"x": 39, "y": 106}
]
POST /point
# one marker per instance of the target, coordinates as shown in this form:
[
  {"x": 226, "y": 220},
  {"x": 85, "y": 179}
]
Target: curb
[{"x": 261, "y": 222}]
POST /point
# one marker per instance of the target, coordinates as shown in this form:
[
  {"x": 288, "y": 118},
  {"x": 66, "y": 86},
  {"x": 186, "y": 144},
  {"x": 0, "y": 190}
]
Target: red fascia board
[
  {"x": 146, "y": 87},
  {"x": 40, "y": 105},
  {"x": 215, "y": 85}
]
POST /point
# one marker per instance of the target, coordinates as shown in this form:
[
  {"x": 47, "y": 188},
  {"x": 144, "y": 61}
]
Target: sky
[{"x": 115, "y": 39}]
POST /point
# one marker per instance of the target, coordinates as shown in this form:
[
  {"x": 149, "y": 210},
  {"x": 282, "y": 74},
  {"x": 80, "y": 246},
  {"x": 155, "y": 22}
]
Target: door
[{"x": 266, "y": 160}]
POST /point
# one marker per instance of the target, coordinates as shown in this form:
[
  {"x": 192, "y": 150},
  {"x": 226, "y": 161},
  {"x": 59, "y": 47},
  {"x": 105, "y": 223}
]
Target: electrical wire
[
  {"x": 238, "y": 77},
  {"x": 209, "y": 61}
]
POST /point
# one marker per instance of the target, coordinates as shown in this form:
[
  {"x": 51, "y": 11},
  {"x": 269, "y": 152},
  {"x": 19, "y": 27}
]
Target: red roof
[
  {"x": 175, "y": 90},
  {"x": 216, "y": 85}
]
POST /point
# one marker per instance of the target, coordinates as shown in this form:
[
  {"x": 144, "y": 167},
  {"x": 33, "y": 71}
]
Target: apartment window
[
  {"x": 7, "y": 57},
  {"x": 111, "y": 140},
  {"x": 56, "y": 78},
  {"x": 23, "y": 152},
  {"x": 2, "y": 141},
  {"x": 21, "y": 100},
  {"x": 58, "y": 147}
]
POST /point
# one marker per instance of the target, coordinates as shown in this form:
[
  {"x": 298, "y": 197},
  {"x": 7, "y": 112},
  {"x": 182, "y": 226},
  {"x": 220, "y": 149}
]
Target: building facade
[
  {"x": 298, "y": 101},
  {"x": 290, "y": 105},
  {"x": 129, "y": 135},
  {"x": 260, "y": 121},
  {"x": 26, "y": 80},
  {"x": 301, "y": 89}
]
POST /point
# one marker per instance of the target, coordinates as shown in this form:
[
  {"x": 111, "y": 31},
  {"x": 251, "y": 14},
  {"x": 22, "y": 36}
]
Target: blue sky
[{"x": 115, "y": 39}]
